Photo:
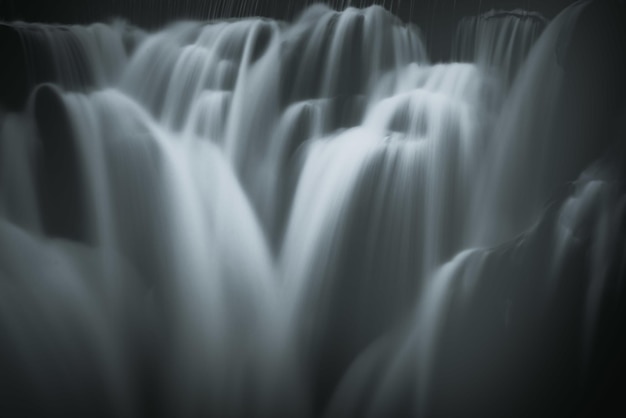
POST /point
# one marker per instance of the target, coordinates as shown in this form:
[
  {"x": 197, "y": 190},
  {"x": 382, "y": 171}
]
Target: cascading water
[
  {"x": 498, "y": 40},
  {"x": 254, "y": 218}
]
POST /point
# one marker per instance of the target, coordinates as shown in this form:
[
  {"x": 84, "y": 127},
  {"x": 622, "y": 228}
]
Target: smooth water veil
[{"x": 310, "y": 216}]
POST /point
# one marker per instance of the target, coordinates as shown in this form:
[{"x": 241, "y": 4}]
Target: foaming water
[{"x": 247, "y": 217}]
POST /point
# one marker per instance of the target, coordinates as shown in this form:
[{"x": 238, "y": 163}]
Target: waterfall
[
  {"x": 498, "y": 40},
  {"x": 256, "y": 218}
]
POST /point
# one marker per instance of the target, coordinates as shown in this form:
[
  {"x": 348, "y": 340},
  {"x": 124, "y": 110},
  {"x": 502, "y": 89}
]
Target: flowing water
[{"x": 254, "y": 218}]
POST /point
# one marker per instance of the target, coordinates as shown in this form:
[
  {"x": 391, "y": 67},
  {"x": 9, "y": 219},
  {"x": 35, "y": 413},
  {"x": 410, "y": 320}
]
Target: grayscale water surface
[{"x": 255, "y": 218}]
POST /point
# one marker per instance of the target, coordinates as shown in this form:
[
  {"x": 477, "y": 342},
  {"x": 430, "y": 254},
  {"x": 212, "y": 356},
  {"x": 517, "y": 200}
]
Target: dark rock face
[
  {"x": 594, "y": 64},
  {"x": 13, "y": 71},
  {"x": 60, "y": 182}
]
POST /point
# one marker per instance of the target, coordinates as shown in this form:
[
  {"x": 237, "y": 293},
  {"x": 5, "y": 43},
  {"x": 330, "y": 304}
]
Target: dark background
[{"x": 149, "y": 13}]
